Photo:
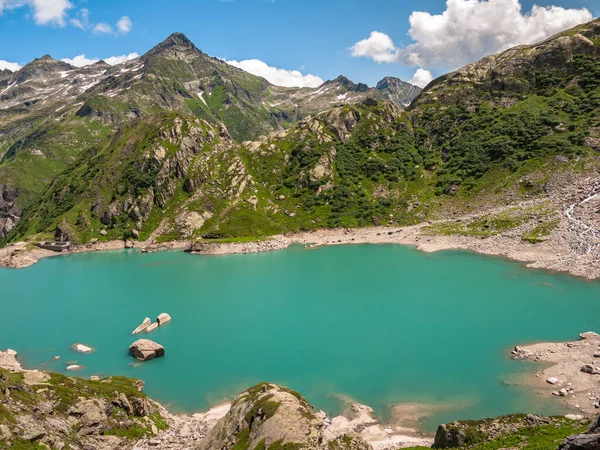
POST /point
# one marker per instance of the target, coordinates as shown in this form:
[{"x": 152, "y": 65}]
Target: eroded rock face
[
  {"x": 268, "y": 414},
  {"x": 10, "y": 213},
  {"x": 145, "y": 349}
]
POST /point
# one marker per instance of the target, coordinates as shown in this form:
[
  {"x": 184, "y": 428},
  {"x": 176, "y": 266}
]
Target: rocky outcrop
[
  {"x": 10, "y": 213},
  {"x": 468, "y": 433},
  {"x": 590, "y": 440},
  {"x": 271, "y": 416},
  {"x": 145, "y": 350},
  {"x": 50, "y": 410},
  {"x": 512, "y": 73}
]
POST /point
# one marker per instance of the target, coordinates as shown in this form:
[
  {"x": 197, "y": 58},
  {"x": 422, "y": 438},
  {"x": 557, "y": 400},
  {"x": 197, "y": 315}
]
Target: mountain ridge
[{"x": 362, "y": 161}]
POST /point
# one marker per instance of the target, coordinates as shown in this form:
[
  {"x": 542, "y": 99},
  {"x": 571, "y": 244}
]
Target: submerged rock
[
  {"x": 152, "y": 327},
  {"x": 145, "y": 324},
  {"x": 145, "y": 349},
  {"x": 82, "y": 348}
]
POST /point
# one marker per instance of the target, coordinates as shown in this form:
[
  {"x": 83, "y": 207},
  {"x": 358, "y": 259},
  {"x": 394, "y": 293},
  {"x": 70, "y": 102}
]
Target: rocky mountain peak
[
  {"x": 101, "y": 63},
  {"x": 348, "y": 84},
  {"x": 391, "y": 81},
  {"x": 398, "y": 91},
  {"x": 344, "y": 81},
  {"x": 41, "y": 67},
  {"x": 177, "y": 42}
]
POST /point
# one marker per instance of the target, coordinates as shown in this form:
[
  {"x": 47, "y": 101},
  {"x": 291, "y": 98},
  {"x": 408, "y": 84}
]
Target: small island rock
[
  {"x": 145, "y": 324},
  {"x": 163, "y": 318},
  {"x": 145, "y": 349},
  {"x": 82, "y": 348}
]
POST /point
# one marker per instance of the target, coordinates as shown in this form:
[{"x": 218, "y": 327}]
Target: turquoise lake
[{"x": 378, "y": 324}]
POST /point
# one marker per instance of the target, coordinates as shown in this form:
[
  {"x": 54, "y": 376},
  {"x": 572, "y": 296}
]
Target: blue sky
[{"x": 313, "y": 36}]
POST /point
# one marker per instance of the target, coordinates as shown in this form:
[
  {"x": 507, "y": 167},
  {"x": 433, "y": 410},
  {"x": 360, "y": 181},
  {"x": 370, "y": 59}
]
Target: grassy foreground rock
[{"x": 50, "y": 410}]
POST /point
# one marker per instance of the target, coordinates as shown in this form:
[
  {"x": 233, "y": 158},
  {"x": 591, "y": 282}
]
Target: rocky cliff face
[{"x": 10, "y": 213}]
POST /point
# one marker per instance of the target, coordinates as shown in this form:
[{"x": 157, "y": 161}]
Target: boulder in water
[
  {"x": 145, "y": 324},
  {"x": 152, "y": 327},
  {"x": 163, "y": 318},
  {"x": 82, "y": 348},
  {"x": 145, "y": 349}
]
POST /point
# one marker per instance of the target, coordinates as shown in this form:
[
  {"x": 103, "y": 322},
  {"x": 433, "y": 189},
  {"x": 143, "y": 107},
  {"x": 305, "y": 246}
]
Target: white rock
[
  {"x": 82, "y": 348},
  {"x": 145, "y": 324},
  {"x": 74, "y": 367},
  {"x": 574, "y": 416},
  {"x": 552, "y": 380},
  {"x": 562, "y": 392},
  {"x": 152, "y": 327},
  {"x": 163, "y": 318}
]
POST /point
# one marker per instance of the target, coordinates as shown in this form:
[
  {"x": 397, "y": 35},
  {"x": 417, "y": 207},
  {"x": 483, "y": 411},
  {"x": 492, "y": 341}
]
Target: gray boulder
[
  {"x": 448, "y": 436},
  {"x": 145, "y": 349},
  {"x": 590, "y": 440},
  {"x": 91, "y": 414}
]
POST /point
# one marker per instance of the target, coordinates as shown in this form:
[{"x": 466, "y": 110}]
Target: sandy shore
[{"x": 566, "y": 375}]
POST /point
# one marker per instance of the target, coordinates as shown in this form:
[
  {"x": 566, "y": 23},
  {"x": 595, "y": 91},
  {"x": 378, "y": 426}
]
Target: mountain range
[
  {"x": 180, "y": 145},
  {"x": 50, "y": 111}
]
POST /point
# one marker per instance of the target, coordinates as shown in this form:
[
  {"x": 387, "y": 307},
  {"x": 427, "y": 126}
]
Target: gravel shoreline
[
  {"x": 553, "y": 254},
  {"x": 571, "y": 373}
]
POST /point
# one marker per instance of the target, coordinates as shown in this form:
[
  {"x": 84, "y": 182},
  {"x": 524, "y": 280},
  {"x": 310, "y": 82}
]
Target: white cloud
[
  {"x": 44, "y": 11},
  {"x": 469, "y": 30},
  {"x": 378, "y": 46},
  {"x": 278, "y": 77},
  {"x": 82, "y": 20},
  {"x": 421, "y": 78},
  {"x": 103, "y": 28},
  {"x": 112, "y": 60},
  {"x": 124, "y": 25},
  {"x": 9, "y": 65},
  {"x": 82, "y": 60}
]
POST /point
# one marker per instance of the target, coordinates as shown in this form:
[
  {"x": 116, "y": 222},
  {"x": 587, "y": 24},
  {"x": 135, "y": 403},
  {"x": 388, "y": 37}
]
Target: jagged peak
[
  {"x": 343, "y": 80},
  {"x": 391, "y": 81},
  {"x": 175, "y": 40},
  {"x": 101, "y": 63}
]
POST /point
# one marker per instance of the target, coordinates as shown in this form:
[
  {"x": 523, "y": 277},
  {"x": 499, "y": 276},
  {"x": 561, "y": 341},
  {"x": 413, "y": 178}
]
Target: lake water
[{"x": 378, "y": 324}]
